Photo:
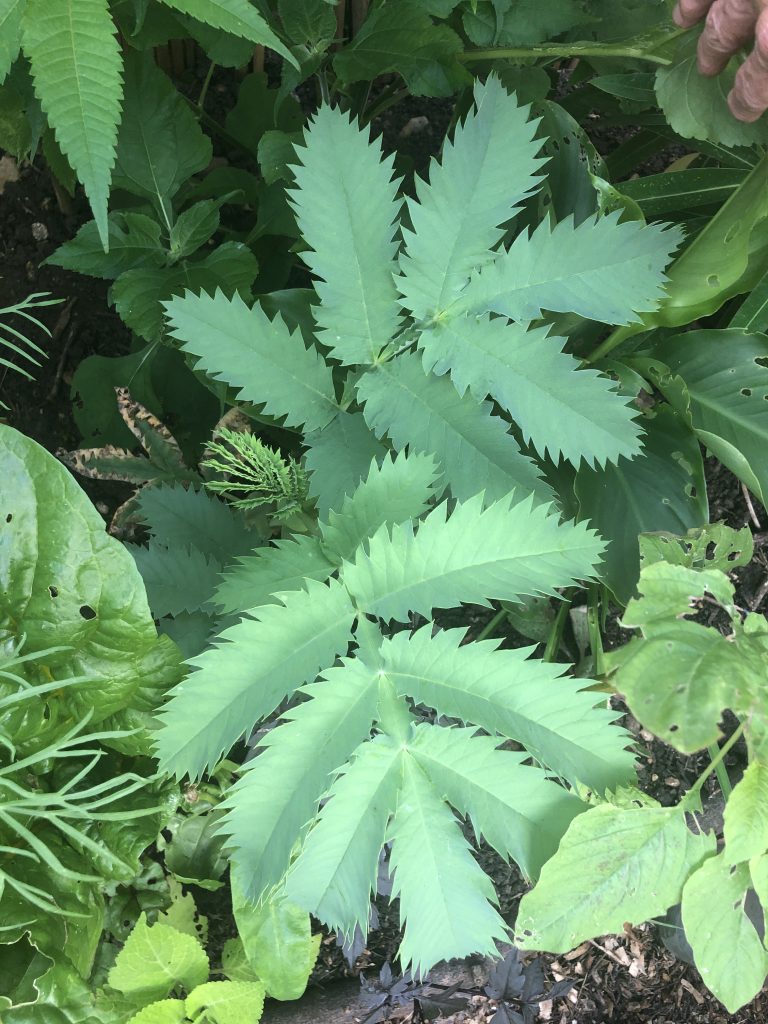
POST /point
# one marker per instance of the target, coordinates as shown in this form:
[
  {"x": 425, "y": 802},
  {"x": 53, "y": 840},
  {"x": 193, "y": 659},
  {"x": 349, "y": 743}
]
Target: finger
[
  {"x": 730, "y": 24},
  {"x": 749, "y": 97},
  {"x": 688, "y": 12}
]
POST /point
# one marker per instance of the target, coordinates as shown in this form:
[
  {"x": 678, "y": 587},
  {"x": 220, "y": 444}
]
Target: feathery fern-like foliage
[
  {"x": 253, "y": 475},
  {"x": 461, "y": 515}
]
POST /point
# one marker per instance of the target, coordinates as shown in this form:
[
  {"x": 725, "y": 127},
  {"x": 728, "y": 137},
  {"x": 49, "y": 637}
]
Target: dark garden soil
[{"x": 632, "y": 978}]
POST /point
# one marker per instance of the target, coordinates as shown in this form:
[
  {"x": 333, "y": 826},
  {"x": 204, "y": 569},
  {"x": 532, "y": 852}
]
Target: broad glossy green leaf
[
  {"x": 614, "y": 864},
  {"x": 752, "y": 315},
  {"x": 726, "y": 383},
  {"x": 697, "y": 107},
  {"x": 400, "y": 36},
  {"x": 76, "y": 67},
  {"x": 726, "y": 947},
  {"x": 661, "y": 489},
  {"x": 277, "y": 939},
  {"x": 65, "y": 582},
  {"x": 160, "y": 144},
  {"x": 726, "y": 258},
  {"x": 134, "y": 241},
  {"x": 658, "y": 194}
]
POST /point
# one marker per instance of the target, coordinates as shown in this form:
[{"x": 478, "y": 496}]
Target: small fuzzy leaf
[
  {"x": 155, "y": 960},
  {"x": 77, "y": 72},
  {"x": 267, "y": 363},
  {"x": 166, "y": 1011},
  {"x": 446, "y": 899},
  {"x": 614, "y": 865},
  {"x": 254, "y": 665},
  {"x": 226, "y": 1002},
  {"x": 345, "y": 204}
]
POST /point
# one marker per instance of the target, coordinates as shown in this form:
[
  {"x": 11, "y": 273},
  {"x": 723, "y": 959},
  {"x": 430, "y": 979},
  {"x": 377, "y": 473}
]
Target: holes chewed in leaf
[
  {"x": 87, "y": 612},
  {"x": 53, "y": 591}
]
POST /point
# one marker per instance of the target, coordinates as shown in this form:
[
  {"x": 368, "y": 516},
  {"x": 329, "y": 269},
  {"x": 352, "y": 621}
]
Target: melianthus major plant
[{"x": 417, "y": 337}]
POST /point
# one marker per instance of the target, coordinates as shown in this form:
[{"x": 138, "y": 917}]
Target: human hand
[{"x": 730, "y": 25}]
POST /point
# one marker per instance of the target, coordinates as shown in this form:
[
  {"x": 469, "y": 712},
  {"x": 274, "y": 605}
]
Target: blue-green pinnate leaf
[
  {"x": 561, "y": 410},
  {"x": 509, "y": 693},
  {"x": 268, "y": 364},
  {"x": 346, "y": 208},
  {"x": 483, "y": 174},
  {"x": 394, "y": 492},
  {"x": 446, "y": 899},
  {"x": 338, "y": 458},
  {"x": 77, "y": 71},
  {"x": 475, "y": 450},
  {"x": 515, "y": 808},
  {"x": 600, "y": 269},
  {"x": 254, "y": 665},
  {"x": 502, "y": 552},
  {"x": 335, "y": 874},
  {"x": 311, "y": 742}
]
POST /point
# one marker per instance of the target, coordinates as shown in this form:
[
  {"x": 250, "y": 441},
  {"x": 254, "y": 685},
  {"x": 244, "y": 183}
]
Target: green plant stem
[
  {"x": 614, "y": 339},
  {"x": 593, "y": 627},
  {"x": 489, "y": 627},
  {"x": 720, "y": 772},
  {"x": 634, "y": 50},
  {"x": 556, "y": 633},
  {"x": 322, "y": 80},
  {"x": 206, "y": 83},
  {"x": 384, "y": 103},
  {"x": 716, "y": 761}
]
